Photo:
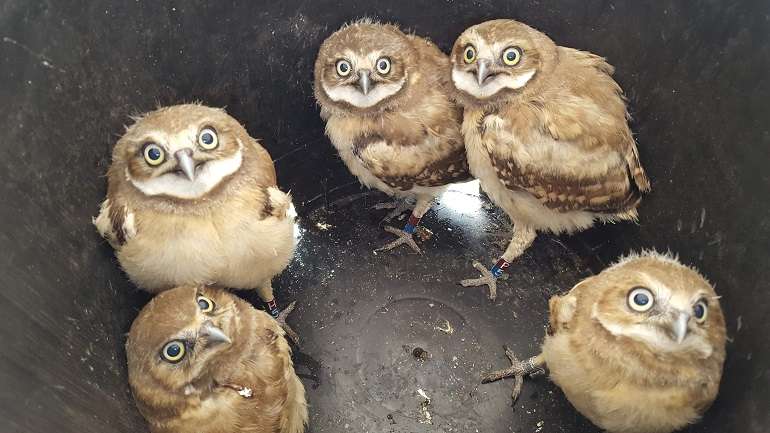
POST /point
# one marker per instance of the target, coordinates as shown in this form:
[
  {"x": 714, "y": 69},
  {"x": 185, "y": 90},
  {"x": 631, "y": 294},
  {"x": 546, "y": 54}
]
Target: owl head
[
  {"x": 497, "y": 60},
  {"x": 660, "y": 304},
  {"x": 175, "y": 343},
  {"x": 364, "y": 67},
  {"x": 180, "y": 152}
]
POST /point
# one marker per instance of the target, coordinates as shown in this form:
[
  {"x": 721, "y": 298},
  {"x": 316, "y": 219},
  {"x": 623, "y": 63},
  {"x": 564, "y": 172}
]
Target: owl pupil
[
  {"x": 343, "y": 67},
  {"x": 383, "y": 65},
  {"x": 699, "y": 311},
  {"x": 207, "y": 138},
  {"x": 641, "y": 299},
  {"x": 203, "y": 304},
  {"x": 511, "y": 55},
  {"x": 154, "y": 154},
  {"x": 173, "y": 350}
]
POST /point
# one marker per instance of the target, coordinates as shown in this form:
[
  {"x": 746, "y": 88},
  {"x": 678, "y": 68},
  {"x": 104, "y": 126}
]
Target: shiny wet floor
[{"x": 384, "y": 334}]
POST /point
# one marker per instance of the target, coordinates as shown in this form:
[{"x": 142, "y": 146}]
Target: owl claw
[
  {"x": 403, "y": 238},
  {"x": 518, "y": 370},
  {"x": 281, "y": 319},
  {"x": 398, "y": 206},
  {"x": 486, "y": 278}
]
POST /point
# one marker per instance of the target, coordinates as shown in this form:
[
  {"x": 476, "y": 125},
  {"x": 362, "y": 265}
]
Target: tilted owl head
[
  {"x": 499, "y": 59},
  {"x": 175, "y": 344},
  {"x": 364, "y": 67},
  {"x": 180, "y": 152},
  {"x": 654, "y": 300}
]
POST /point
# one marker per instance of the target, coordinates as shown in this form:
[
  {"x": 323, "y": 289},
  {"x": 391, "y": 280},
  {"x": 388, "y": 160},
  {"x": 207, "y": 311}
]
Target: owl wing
[
  {"x": 561, "y": 311},
  {"x": 115, "y": 223},
  {"x": 586, "y": 118}
]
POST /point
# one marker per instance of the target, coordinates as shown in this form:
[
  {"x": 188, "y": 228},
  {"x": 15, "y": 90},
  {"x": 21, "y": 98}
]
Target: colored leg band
[
  {"x": 273, "y": 307},
  {"x": 412, "y": 224},
  {"x": 499, "y": 267}
]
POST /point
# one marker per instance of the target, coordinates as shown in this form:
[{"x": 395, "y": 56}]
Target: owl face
[
  {"x": 655, "y": 300},
  {"x": 181, "y": 152},
  {"x": 363, "y": 66},
  {"x": 175, "y": 341},
  {"x": 499, "y": 58}
]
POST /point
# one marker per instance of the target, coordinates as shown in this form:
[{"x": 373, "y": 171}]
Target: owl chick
[
  {"x": 546, "y": 134},
  {"x": 192, "y": 199},
  {"x": 638, "y": 348},
  {"x": 201, "y": 360},
  {"x": 385, "y": 98}
]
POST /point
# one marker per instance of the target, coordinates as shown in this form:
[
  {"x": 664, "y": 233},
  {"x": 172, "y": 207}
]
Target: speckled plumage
[
  {"x": 246, "y": 384},
  {"x": 550, "y": 142},
  {"x": 231, "y": 226},
  {"x": 407, "y": 143}
]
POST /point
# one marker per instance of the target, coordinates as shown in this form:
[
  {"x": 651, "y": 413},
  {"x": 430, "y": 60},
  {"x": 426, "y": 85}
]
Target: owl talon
[
  {"x": 486, "y": 279},
  {"x": 281, "y": 319},
  {"x": 403, "y": 238},
  {"x": 398, "y": 206},
  {"x": 518, "y": 370}
]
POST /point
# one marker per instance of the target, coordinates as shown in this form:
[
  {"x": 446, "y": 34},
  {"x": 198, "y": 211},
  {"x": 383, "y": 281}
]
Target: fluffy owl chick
[
  {"x": 546, "y": 134},
  {"x": 638, "y": 348},
  {"x": 192, "y": 199},
  {"x": 201, "y": 360},
  {"x": 385, "y": 98}
]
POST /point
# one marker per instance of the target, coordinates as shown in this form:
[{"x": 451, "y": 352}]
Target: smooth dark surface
[{"x": 71, "y": 72}]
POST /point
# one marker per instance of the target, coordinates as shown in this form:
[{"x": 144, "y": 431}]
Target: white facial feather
[
  {"x": 353, "y": 96},
  {"x": 177, "y": 185},
  {"x": 467, "y": 82}
]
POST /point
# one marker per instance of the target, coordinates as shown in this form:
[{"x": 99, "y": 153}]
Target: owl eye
[
  {"x": 640, "y": 299},
  {"x": 700, "y": 310},
  {"x": 343, "y": 68},
  {"x": 207, "y": 138},
  {"x": 205, "y": 304},
  {"x": 153, "y": 154},
  {"x": 469, "y": 55},
  {"x": 512, "y": 56},
  {"x": 173, "y": 351},
  {"x": 383, "y": 65}
]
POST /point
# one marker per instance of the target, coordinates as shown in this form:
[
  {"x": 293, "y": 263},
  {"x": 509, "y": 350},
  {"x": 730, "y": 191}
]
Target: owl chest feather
[{"x": 234, "y": 245}]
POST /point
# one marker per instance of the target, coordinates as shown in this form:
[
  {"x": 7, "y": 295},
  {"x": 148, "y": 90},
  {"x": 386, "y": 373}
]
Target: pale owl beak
[
  {"x": 185, "y": 162},
  {"x": 679, "y": 327},
  {"x": 213, "y": 334},
  {"x": 482, "y": 71},
  {"x": 363, "y": 81}
]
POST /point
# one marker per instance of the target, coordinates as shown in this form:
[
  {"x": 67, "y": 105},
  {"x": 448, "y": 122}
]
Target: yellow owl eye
[
  {"x": 153, "y": 154},
  {"x": 469, "y": 55},
  {"x": 173, "y": 351},
  {"x": 343, "y": 68},
  {"x": 640, "y": 299},
  {"x": 512, "y": 56},
  {"x": 207, "y": 138},
  {"x": 383, "y": 65},
  {"x": 700, "y": 310},
  {"x": 205, "y": 304}
]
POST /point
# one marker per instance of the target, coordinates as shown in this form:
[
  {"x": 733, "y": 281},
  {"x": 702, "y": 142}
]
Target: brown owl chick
[
  {"x": 385, "y": 98},
  {"x": 192, "y": 199},
  {"x": 202, "y": 360},
  {"x": 638, "y": 348},
  {"x": 546, "y": 134}
]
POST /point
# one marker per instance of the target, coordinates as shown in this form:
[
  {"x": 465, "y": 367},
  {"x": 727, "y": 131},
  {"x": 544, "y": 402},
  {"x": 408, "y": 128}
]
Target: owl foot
[
  {"x": 281, "y": 319},
  {"x": 398, "y": 206},
  {"x": 486, "y": 278},
  {"x": 403, "y": 238},
  {"x": 518, "y": 370}
]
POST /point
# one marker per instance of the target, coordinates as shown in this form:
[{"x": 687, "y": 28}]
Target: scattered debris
[
  {"x": 426, "y": 416},
  {"x": 740, "y": 324},
  {"x": 323, "y": 226},
  {"x": 421, "y": 354},
  {"x": 539, "y": 426},
  {"x": 446, "y": 329},
  {"x": 423, "y": 234}
]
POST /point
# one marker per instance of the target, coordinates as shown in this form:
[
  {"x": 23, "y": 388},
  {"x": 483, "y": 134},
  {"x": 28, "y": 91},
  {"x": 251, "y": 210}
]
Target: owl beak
[
  {"x": 185, "y": 162},
  {"x": 363, "y": 81},
  {"x": 679, "y": 326},
  {"x": 213, "y": 334},
  {"x": 482, "y": 71}
]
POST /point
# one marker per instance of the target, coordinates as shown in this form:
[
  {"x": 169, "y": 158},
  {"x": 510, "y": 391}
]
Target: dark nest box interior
[{"x": 697, "y": 76}]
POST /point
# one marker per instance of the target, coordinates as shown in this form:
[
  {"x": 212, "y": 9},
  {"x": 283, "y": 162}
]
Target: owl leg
[
  {"x": 399, "y": 206},
  {"x": 266, "y": 293},
  {"x": 522, "y": 239},
  {"x": 518, "y": 370},
  {"x": 406, "y": 235}
]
